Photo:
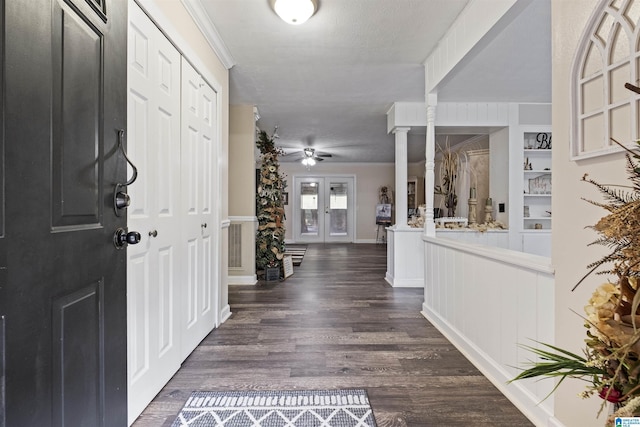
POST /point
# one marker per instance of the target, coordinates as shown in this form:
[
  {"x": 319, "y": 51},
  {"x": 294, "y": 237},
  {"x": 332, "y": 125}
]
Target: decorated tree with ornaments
[{"x": 270, "y": 209}]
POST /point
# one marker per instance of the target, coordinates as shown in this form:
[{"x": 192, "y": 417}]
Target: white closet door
[
  {"x": 199, "y": 287},
  {"x": 154, "y": 265}
]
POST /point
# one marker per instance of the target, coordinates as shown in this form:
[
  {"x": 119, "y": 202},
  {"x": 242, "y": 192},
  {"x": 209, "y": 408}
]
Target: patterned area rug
[
  {"x": 298, "y": 408},
  {"x": 297, "y": 253}
]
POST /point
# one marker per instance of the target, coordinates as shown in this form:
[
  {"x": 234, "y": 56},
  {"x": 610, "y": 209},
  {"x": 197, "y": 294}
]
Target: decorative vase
[{"x": 472, "y": 211}]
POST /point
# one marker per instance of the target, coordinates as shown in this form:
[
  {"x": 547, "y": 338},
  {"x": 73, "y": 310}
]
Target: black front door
[{"x": 62, "y": 281}]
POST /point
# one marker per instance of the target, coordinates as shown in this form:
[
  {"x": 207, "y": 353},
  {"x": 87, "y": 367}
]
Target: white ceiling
[{"x": 329, "y": 82}]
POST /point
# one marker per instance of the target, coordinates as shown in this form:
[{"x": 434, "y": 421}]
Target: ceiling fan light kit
[
  {"x": 295, "y": 12},
  {"x": 310, "y": 156},
  {"x": 308, "y": 161}
]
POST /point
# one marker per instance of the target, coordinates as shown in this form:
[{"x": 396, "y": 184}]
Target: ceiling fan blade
[
  {"x": 292, "y": 153},
  {"x": 319, "y": 159},
  {"x": 324, "y": 155}
]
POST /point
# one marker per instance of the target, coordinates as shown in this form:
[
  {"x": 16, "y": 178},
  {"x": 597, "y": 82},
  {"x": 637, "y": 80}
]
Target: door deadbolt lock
[
  {"x": 122, "y": 200},
  {"x": 121, "y": 238}
]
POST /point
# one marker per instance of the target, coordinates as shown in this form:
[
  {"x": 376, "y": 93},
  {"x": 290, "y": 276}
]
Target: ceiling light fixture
[
  {"x": 308, "y": 161},
  {"x": 295, "y": 12}
]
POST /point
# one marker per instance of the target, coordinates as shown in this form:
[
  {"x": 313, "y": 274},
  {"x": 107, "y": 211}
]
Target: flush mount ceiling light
[{"x": 295, "y": 12}]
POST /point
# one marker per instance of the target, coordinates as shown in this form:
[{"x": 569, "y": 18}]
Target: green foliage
[
  {"x": 557, "y": 362},
  {"x": 269, "y": 207}
]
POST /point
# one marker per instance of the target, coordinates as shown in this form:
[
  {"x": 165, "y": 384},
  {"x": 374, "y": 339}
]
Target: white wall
[{"x": 571, "y": 214}]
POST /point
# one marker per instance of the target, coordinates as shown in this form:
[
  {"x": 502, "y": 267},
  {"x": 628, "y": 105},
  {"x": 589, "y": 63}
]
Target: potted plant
[{"x": 270, "y": 210}]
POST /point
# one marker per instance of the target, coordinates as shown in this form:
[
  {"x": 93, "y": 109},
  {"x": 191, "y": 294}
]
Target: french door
[{"x": 323, "y": 209}]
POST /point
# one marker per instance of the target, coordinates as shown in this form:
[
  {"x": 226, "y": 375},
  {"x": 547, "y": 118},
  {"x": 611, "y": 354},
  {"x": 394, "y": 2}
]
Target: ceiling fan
[{"x": 310, "y": 156}]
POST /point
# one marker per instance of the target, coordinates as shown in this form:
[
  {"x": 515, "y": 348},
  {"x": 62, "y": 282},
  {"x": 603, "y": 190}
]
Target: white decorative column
[
  {"x": 430, "y": 164},
  {"x": 401, "y": 176}
]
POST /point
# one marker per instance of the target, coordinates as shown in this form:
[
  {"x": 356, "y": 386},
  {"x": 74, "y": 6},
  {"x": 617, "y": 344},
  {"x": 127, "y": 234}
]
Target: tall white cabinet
[{"x": 172, "y": 288}]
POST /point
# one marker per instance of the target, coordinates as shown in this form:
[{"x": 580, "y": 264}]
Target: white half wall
[
  {"x": 487, "y": 301},
  {"x": 405, "y": 257}
]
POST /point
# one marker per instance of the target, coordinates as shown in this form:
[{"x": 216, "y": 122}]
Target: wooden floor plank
[{"x": 336, "y": 323}]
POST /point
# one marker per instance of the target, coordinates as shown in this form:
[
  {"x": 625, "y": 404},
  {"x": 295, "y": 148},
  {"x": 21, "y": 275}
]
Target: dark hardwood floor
[{"x": 336, "y": 323}]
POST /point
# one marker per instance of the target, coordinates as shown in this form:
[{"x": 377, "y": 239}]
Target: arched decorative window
[{"x": 608, "y": 56}]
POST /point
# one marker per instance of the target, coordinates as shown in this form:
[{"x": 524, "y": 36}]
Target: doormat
[
  {"x": 296, "y": 252},
  {"x": 297, "y": 408}
]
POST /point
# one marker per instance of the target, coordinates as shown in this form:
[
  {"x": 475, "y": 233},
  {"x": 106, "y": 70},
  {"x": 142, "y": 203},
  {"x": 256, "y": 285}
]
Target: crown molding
[{"x": 199, "y": 16}]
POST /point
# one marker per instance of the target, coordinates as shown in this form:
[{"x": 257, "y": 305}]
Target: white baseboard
[
  {"x": 554, "y": 422},
  {"x": 404, "y": 283},
  {"x": 225, "y": 313},
  {"x": 243, "y": 280}
]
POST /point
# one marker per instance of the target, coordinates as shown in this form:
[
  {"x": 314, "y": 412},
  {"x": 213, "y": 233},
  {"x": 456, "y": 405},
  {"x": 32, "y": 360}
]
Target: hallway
[{"x": 336, "y": 323}]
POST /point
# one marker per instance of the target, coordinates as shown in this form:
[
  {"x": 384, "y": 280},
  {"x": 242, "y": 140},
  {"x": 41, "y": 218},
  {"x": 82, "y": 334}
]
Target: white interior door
[
  {"x": 199, "y": 289},
  {"x": 324, "y": 209},
  {"x": 154, "y": 265}
]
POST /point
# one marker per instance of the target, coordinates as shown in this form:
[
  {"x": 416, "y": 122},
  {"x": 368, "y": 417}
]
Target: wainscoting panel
[
  {"x": 235, "y": 246},
  {"x": 242, "y": 250},
  {"x": 487, "y": 301}
]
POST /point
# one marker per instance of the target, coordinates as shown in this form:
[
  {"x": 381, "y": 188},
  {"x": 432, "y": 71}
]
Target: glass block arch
[{"x": 608, "y": 56}]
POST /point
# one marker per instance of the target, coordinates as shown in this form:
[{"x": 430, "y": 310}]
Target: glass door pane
[
  {"x": 338, "y": 209},
  {"x": 309, "y": 209}
]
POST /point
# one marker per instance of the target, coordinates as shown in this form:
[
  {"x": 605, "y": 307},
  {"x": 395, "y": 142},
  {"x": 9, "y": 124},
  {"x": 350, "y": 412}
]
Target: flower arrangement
[
  {"x": 611, "y": 361},
  {"x": 270, "y": 210}
]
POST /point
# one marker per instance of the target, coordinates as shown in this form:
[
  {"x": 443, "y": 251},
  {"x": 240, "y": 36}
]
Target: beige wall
[
  {"x": 571, "y": 214},
  {"x": 369, "y": 177},
  {"x": 499, "y": 174},
  {"x": 416, "y": 169},
  {"x": 242, "y": 188},
  {"x": 242, "y": 165}
]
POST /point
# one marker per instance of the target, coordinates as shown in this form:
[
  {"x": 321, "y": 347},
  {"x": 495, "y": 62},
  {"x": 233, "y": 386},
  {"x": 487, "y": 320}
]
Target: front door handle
[
  {"x": 121, "y": 238},
  {"x": 121, "y": 199}
]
